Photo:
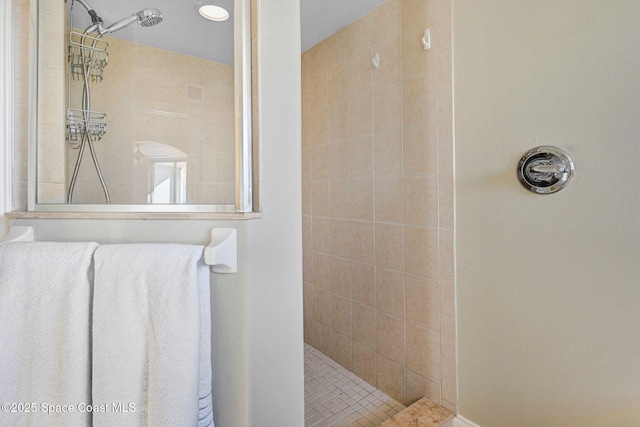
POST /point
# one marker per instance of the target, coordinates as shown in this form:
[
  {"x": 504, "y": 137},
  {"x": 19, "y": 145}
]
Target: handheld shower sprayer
[{"x": 145, "y": 17}]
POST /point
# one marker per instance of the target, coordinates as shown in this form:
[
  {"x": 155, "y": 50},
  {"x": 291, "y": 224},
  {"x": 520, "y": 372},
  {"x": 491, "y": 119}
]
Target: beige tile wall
[
  {"x": 51, "y": 102},
  {"x": 150, "y": 94},
  {"x": 378, "y": 200}
]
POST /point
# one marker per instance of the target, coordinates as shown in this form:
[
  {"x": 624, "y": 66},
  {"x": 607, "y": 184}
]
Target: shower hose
[{"x": 85, "y": 138}]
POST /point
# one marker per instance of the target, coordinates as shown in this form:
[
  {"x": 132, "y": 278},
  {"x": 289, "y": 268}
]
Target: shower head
[
  {"x": 149, "y": 17},
  {"x": 146, "y": 18}
]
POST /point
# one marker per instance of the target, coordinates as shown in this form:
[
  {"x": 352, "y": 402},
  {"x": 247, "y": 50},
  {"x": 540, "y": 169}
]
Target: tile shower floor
[{"x": 336, "y": 397}]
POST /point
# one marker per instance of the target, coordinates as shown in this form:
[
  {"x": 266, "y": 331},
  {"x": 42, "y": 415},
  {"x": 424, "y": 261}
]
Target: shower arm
[
  {"x": 90, "y": 10},
  {"x": 95, "y": 19},
  {"x": 85, "y": 4}
]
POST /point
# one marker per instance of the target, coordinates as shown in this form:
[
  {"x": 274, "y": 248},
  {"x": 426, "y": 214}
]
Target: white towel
[
  {"x": 151, "y": 340},
  {"x": 45, "y": 353},
  {"x": 205, "y": 404}
]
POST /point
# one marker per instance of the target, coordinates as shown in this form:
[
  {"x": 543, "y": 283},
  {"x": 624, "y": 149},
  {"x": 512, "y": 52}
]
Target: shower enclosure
[
  {"x": 155, "y": 107},
  {"x": 377, "y": 201},
  {"x": 88, "y": 55}
]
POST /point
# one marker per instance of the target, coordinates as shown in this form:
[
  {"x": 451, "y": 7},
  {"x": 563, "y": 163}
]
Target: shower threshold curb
[{"x": 423, "y": 413}]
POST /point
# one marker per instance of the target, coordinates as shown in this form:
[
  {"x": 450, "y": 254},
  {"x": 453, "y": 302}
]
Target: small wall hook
[
  {"x": 375, "y": 61},
  {"x": 426, "y": 39}
]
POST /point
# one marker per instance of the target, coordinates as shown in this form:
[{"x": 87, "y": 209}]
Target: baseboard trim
[{"x": 463, "y": 422}]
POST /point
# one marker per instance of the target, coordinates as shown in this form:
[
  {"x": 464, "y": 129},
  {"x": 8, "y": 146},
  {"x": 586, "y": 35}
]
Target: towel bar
[{"x": 221, "y": 253}]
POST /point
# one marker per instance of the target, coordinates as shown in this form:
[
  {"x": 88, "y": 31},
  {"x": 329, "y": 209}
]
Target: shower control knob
[{"x": 545, "y": 169}]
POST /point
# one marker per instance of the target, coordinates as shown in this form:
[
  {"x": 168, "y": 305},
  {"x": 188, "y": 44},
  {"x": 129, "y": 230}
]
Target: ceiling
[
  {"x": 183, "y": 30},
  {"x": 321, "y": 18}
]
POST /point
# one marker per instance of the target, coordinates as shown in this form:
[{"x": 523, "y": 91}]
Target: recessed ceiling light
[{"x": 212, "y": 12}]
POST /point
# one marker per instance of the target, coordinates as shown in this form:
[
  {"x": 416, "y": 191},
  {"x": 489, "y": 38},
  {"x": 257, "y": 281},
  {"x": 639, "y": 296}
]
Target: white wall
[
  {"x": 257, "y": 313},
  {"x": 548, "y": 287},
  {"x": 276, "y": 356},
  {"x": 6, "y": 113}
]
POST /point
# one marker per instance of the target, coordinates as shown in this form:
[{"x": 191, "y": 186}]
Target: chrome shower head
[
  {"x": 146, "y": 18},
  {"x": 149, "y": 17}
]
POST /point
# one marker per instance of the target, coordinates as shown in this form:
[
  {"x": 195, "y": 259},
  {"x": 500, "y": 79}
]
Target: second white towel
[{"x": 151, "y": 336}]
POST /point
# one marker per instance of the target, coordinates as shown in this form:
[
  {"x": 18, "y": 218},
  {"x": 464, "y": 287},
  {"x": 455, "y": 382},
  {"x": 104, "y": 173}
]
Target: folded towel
[
  {"x": 151, "y": 339},
  {"x": 45, "y": 353}
]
